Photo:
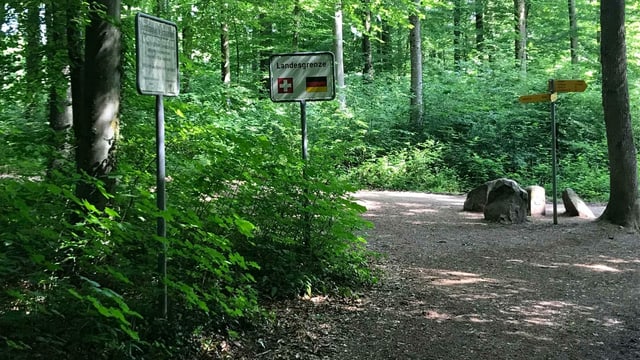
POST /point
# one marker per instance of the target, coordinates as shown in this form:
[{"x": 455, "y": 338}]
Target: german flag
[{"x": 317, "y": 84}]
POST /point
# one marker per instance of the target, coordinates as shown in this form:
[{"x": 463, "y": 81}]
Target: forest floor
[{"x": 457, "y": 287}]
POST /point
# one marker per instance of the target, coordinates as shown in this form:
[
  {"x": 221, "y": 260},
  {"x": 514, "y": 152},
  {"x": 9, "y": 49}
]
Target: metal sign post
[
  {"x": 555, "y": 86},
  {"x": 157, "y": 74},
  {"x": 554, "y": 153}
]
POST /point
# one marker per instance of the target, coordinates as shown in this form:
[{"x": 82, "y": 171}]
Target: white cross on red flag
[{"x": 285, "y": 85}]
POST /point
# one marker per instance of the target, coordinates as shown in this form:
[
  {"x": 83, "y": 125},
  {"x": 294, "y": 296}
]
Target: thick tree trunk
[
  {"x": 623, "y": 181},
  {"x": 520, "y": 14},
  {"x": 415, "y": 42},
  {"x": 573, "y": 31},
  {"x": 337, "y": 32},
  {"x": 97, "y": 129}
]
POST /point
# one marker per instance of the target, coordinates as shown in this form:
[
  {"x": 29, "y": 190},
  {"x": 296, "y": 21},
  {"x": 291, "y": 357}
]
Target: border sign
[
  {"x": 302, "y": 77},
  {"x": 156, "y": 56}
]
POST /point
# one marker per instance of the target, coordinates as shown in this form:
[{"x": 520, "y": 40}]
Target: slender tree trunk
[
  {"x": 187, "y": 49},
  {"x": 457, "y": 33},
  {"x": 295, "y": 41},
  {"x": 225, "y": 61},
  {"x": 97, "y": 130},
  {"x": 386, "y": 52},
  {"x": 520, "y": 13},
  {"x": 3, "y": 17},
  {"x": 367, "y": 70},
  {"x": 60, "y": 113},
  {"x": 479, "y": 25},
  {"x": 573, "y": 31},
  {"x": 622, "y": 208},
  {"x": 415, "y": 41},
  {"x": 162, "y": 8},
  {"x": 337, "y": 32},
  {"x": 33, "y": 58}
]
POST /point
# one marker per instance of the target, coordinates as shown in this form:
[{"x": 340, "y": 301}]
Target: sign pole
[
  {"x": 303, "y": 127},
  {"x": 554, "y": 158},
  {"x": 161, "y": 201},
  {"x": 306, "y": 236},
  {"x": 157, "y": 74},
  {"x": 555, "y": 86}
]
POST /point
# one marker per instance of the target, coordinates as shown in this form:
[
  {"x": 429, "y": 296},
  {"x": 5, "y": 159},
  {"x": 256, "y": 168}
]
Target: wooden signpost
[{"x": 555, "y": 87}]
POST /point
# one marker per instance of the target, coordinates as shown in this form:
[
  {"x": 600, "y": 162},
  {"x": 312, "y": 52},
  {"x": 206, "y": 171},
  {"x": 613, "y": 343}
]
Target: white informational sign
[
  {"x": 302, "y": 76},
  {"x": 156, "y": 56}
]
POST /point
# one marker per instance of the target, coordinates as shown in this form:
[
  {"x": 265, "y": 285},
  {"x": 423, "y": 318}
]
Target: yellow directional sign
[
  {"x": 538, "y": 98},
  {"x": 569, "y": 85}
]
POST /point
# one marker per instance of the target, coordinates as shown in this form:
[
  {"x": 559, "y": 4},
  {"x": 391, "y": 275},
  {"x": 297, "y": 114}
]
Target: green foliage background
[{"x": 248, "y": 220}]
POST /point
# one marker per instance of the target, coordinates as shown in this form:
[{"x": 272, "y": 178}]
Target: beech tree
[
  {"x": 520, "y": 13},
  {"x": 573, "y": 31},
  {"x": 415, "y": 43},
  {"x": 622, "y": 208},
  {"x": 96, "y": 115}
]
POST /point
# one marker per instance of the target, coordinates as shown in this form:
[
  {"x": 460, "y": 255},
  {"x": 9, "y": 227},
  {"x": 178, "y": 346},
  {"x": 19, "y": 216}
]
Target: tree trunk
[
  {"x": 337, "y": 32},
  {"x": 225, "y": 63},
  {"x": 367, "y": 70},
  {"x": 187, "y": 49},
  {"x": 623, "y": 180},
  {"x": 520, "y": 13},
  {"x": 60, "y": 113},
  {"x": 295, "y": 41},
  {"x": 386, "y": 52},
  {"x": 162, "y": 8},
  {"x": 415, "y": 43},
  {"x": 33, "y": 58},
  {"x": 457, "y": 34},
  {"x": 573, "y": 31},
  {"x": 479, "y": 25},
  {"x": 97, "y": 129}
]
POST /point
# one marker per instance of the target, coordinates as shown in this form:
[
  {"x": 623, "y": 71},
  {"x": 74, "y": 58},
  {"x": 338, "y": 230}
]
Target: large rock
[
  {"x": 574, "y": 206},
  {"x": 506, "y": 202},
  {"x": 537, "y": 200},
  {"x": 477, "y": 198}
]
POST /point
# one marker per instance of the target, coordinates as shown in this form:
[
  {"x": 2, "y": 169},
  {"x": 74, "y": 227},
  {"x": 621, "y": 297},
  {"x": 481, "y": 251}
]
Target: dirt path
[{"x": 457, "y": 287}]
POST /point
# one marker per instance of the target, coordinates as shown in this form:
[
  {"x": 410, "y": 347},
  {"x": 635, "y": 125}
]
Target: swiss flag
[{"x": 285, "y": 85}]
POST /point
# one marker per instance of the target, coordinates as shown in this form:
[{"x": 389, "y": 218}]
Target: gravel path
[{"x": 457, "y": 287}]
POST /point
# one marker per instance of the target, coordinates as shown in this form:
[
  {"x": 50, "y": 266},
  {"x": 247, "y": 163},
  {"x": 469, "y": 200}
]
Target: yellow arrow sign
[
  {"x": 570, "y": 85},
  {"x": 538, "y": 98}
]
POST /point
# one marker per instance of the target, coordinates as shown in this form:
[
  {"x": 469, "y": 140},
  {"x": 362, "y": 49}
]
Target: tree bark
[
  {"x": 33, "y": 57},
  {"x": 573, "y": 31},
  {"x": 295, "y": 41},
  {"x": 623, "y": 180},
  {"x": 367, "y": 56},
  {"x": 457, "y": 34},
  {"x": 415, "y": 42},
  {"x": 97, "y": 129},
  {"x": 339, "y": 49},
  {"x": 386, "y": 52},
  {"x": 225, "y": 61},
  {"x": 520, "y": 13},
  {"x": 479, "y": 25},
  {"x": 60, "y": 113}
]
